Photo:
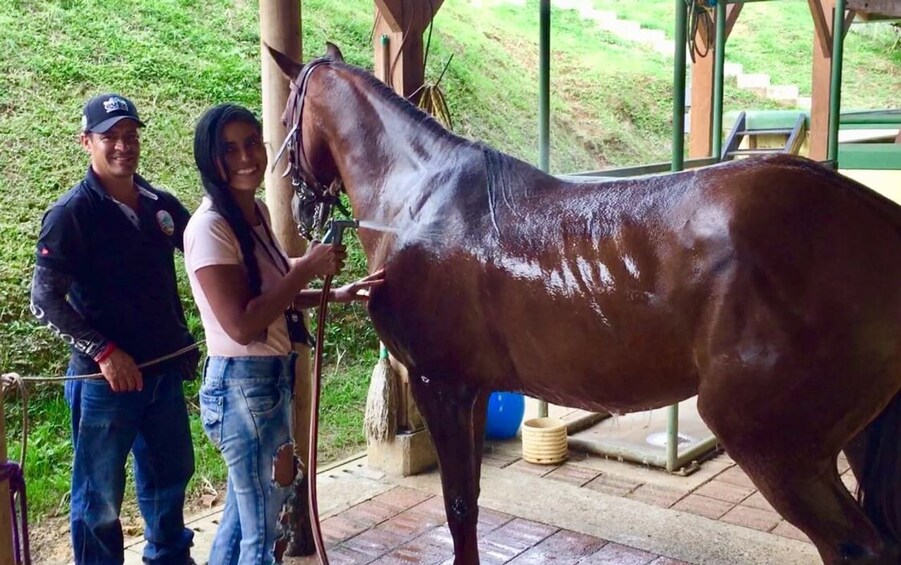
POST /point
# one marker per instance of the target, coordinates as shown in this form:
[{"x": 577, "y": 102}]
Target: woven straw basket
[{"x": 544, "y": 441}]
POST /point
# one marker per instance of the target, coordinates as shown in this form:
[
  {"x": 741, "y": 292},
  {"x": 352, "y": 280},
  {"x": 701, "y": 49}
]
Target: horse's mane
[
  {"x": 501, "y": 170},
  {"x": 404, "y": 105}
]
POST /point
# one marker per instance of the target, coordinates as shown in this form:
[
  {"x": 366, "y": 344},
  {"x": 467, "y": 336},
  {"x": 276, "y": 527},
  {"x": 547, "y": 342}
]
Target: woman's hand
[
  {"x": 359, "y": 290},
  {"x": 322, "y": 259}
]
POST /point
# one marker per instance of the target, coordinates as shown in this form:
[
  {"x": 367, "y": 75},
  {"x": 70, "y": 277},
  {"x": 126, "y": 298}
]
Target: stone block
[{"x": 409, "y": 454}]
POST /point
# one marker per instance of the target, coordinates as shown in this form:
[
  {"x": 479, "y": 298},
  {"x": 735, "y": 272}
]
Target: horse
[{"x": 768, "y": 287}]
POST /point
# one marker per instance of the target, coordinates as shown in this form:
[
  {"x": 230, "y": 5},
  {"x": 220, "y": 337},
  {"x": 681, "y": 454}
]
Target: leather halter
[{"x": 312, "y": 201}]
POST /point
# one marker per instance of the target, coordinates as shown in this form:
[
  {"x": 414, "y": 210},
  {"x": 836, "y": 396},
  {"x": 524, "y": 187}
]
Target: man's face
[{"x": 114, "y": 153}]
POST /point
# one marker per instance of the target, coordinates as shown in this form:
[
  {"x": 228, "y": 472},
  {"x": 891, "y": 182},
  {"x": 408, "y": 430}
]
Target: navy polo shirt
[{"x": 123, "y": 276}]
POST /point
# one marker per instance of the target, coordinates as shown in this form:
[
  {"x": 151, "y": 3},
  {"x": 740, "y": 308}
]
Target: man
[{"x": 104, "y": 280}]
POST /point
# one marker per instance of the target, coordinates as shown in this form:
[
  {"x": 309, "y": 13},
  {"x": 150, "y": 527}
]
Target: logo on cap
[{"x": 115, "y": 103}]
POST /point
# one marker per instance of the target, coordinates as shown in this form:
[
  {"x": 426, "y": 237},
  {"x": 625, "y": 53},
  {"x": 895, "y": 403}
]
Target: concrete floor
[{"x": 586, "y": 510}]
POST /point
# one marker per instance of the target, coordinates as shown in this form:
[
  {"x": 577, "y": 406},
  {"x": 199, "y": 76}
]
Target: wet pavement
[{"x": 587, "y": 510}]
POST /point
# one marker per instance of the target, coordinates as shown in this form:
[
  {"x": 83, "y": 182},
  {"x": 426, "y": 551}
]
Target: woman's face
[{"x": 244, "y": 163}]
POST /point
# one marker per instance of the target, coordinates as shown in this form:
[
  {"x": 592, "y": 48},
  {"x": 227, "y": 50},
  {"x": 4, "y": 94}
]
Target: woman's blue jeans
[
  {"x": 153, "y": 425},
  {"x": 245, "y": 407}
]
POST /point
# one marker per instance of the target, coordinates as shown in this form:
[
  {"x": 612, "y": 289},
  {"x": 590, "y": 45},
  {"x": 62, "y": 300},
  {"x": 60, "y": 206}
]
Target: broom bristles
[{"x": 380, "y": 419}]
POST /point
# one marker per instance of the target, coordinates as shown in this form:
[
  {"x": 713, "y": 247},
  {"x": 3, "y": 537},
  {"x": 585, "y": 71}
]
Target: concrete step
[
  {"x": 783, "y": 92},
  {"x": 732, "y": 70},
  {"x": 755, "y": 82}
]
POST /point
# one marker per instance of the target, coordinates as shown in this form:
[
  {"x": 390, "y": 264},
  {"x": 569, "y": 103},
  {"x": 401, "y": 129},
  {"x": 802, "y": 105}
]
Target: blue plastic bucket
[{"x": 505, "y": 410}]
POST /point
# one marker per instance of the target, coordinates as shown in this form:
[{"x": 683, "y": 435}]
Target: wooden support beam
[
  {"x": 701, "y": 114},
  {"x": 280, "y": 27},
  {"x": 6, "y": 530},
  {"x": 732, "y": 13},
  {"x": 820, "y": 79},
  {"x": 402, "y": 22},
  {"x": 401, "y": 15},
  {"x": 882, "y": 8},
  {"x": 822, "y": 25},
  {"x": 398, "y": 49},
  {"x": 849, "y": 19}
]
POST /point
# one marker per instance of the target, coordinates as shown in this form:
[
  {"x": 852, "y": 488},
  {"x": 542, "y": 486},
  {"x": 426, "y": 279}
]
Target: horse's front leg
[{"x": 454, "y": 414}]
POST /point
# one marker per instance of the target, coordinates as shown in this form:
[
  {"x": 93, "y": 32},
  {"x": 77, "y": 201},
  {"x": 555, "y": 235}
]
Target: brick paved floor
[
  {"x": 729, "y": 496},
  {"x": 405, "y": 526}
]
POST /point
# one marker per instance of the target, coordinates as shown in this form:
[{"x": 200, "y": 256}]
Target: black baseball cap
[{"x": 106, "y": 110}]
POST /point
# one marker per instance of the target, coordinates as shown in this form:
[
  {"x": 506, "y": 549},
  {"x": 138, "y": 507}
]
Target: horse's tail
[{"x": 879, "y": 491}]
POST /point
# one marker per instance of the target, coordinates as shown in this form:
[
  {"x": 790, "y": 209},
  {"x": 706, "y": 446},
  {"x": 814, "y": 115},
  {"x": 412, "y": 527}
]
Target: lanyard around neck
[{"x": 272, "y": 246}]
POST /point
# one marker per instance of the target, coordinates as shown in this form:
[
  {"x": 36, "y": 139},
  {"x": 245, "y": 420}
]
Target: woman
[{"x": 243, "y": 283}]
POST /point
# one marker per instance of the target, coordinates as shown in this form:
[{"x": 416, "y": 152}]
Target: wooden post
[
  {"x": 403, "y": 22},
  {"x": 821, "y": 10},
  {"x": 398, "y": 62},
  {"x": 6, "y": 531},
  {"x": 701, "y": 113},
  {"x": 398, "y": 52},
  {"x": 280, "y": 27},
  {"x": 870, "y": 10}
]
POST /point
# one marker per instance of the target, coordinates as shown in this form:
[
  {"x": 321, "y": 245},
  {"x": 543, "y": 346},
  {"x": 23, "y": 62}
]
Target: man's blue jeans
[
  {"x": 106, "y": 425},
  {"x": 245, "y": 407}
]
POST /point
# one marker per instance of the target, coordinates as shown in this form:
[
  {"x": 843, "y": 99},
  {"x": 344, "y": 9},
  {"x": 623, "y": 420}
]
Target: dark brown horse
[{"x": 770, "y": 288}]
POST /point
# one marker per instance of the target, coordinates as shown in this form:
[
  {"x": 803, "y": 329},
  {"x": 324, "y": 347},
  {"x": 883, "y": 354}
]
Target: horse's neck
[{"x": 396, "y": 166}]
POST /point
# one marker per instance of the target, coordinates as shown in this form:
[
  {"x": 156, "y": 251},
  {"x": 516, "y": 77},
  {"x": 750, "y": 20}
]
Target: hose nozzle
[{"x": 335, "y": 232}]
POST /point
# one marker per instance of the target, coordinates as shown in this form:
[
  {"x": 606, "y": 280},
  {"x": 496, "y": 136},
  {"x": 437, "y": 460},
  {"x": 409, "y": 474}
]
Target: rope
[
  {"x": 696, "y": 9},
  {"x": 166, "y": 357},
  {"x": 433, "y": 101},
  {"x": 15, "y": 473},
  {"x": 9, "y": 381}
]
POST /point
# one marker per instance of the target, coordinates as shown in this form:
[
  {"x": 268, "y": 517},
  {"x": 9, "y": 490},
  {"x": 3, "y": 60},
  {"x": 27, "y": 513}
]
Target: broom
[{"x": 380, "y": 419}]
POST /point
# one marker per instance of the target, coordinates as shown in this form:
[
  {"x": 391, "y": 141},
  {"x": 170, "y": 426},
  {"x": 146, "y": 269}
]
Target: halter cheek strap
[{"x": 308, "y": 190}]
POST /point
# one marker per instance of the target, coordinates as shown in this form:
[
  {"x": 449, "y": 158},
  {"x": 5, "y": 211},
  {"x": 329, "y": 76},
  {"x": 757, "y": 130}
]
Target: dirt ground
[{"x": 51, "y": 543}]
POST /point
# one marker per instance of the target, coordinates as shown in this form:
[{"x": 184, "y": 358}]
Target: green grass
[
  {"x": 777, "y": 38},
  {"x": 611, "y": 106}
]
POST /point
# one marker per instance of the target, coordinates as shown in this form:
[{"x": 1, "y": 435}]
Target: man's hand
[
  {"x": 121, "y": 373},
  {"x": 360, "y": 289}
]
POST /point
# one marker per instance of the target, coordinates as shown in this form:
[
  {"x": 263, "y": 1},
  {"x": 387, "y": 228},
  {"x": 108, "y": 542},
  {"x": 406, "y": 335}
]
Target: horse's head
[{"x": 313, "y": 172}]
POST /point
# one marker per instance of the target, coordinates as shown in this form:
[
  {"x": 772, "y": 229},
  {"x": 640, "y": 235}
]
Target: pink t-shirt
[{"x": 209, "y": 240}]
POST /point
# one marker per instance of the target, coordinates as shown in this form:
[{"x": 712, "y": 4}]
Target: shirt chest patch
[{"x": 165, "y": 221}]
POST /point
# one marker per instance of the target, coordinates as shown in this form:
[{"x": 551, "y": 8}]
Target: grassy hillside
[
  {"x": 777, "y": 38},
  {"x": 175, "y": 58}
]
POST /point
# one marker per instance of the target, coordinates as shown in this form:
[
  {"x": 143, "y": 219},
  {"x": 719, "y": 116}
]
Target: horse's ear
[
  {"x": 332, "y": 52},
  {"x": 289, "y": 67}
]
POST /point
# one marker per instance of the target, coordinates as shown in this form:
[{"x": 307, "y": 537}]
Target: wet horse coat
[{"x": 769, "y": 288}]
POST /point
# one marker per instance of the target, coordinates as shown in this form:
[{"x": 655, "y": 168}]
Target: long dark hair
[{"x": 209, "y": 151}]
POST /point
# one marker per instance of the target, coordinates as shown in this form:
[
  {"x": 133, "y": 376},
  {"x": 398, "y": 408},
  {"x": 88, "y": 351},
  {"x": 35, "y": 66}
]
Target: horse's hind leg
[
  {"x": 875, "y": 458},
  {"x": 454, "y": 414},
  {"x": 808, "y": 493}
]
